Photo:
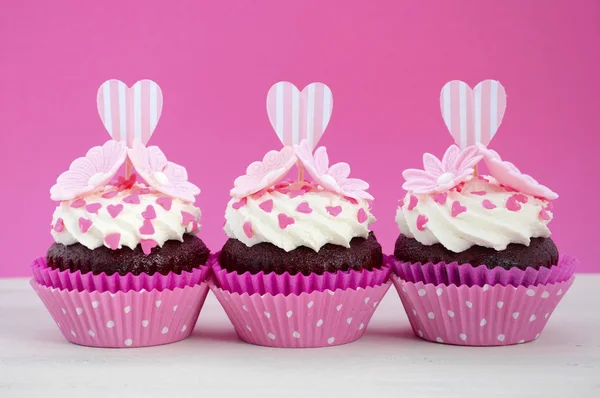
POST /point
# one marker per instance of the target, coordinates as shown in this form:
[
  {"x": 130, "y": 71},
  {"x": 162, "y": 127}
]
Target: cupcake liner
[
  {"x": 124, "y": 319},
  {"x": 479, "y": 316},
  {"x": 79, "y": 281},
  {"x": 317, "y": 319},
  {"x": 466, "y": 274},
  {"x": 286, "y": 284}
]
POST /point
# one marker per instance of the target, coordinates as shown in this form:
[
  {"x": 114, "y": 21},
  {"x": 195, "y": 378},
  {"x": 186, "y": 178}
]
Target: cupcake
[
  {"x": 126, "y": 268},
  {"x": 301, "y": 267},
  {"x": 474, "y": 262}
]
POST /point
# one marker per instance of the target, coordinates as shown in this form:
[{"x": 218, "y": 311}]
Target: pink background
[{"x": 385, "y": 61}]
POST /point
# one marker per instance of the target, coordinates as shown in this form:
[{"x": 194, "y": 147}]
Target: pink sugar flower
[
  {"x": 442, "y": 175},
  {"x": 334, "y": 178},
  {"x": 91, "y": 172},
  {"x": 509, "y": 175},
  {"x": 266, "y": 173},
  {"x": 162, "y": 175}
]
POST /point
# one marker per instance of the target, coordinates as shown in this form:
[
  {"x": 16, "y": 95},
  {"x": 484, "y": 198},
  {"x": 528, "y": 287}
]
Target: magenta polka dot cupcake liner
[
  {"x": 308, "y": 320},
  {"x": 466, "y": 274},
  {"x": 124, "y": 319},
  {"x": 115, "y": 283},
  {"x": 286, "y": 284},
  {"x": 479, "y": 315}
]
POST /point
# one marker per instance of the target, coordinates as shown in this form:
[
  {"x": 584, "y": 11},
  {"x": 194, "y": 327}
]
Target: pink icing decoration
[
  {"x": 93, "y": 208},
  {"x": 162, "y": 175},
  {"x": 334, "y": 210},
  {"x": 84, "y": 224},
  {"x": 512, "y": 204},
  {"x": 488, "y": 205},
  {"x": 132, "y": 199},
  {"x": 520, "y": 198},
  {"x": 262, "y": 174},
  {"x": 239, "y": 204},
  {"x": 267, "y": 205},
  {"x": 544, "y": 215},
  {"x": 147, "y": 228},
  {"x": 334, "y": 178},
  {"x": 187, "y": 218},
  {"x": 304, "y": 208},
  {"x": 112, "y": 240},
  {"x": 441, "y": 198},
  {"x": 165, "y": 202},
  {"x": 508, "y": 174},
  {"x": 362, "y": 215},
  {"x": 421, "y": 221},
  {"x": 59, "y": 226},
  {"x": 114, "y": 210},
  {"x": 110, "y": 194},
  {"x": 479, "y": 193},
  {"x": 284, "y": 220},
  {"x": 457, "y": 208},
  {"x": 248, "y": 229},
  {"x": 78, "y": 203},
  {"x": 91, "y": 172},
  {"x": 412, "y": 203},
  {"x": 438, "y": 176},
  {"x": 148, "y": 245},
  {"x": 149, "y": 213}
]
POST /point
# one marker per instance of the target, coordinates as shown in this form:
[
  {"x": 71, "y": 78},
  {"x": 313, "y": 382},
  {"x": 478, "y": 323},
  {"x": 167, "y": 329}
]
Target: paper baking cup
[
  {"x": 317, "y": 319},
  {"x": 286, "y": 284},
  {"x": 79, "y": 281},
  {"x": 124, "y": 319},
  {"x": 479, "y": 316},
  {"x": 466, "y": 274}
]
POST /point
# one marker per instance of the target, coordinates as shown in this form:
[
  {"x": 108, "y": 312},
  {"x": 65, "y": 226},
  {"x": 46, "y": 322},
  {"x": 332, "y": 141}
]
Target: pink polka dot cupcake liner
[
  {"x": 286, "y": 284},
  {"x": 79, "y": 281},
  {"x": 479, "y": 315},
  {"x": 466, "y": 274},
  {"x": 307, "y": 320},
  {"x": 124, "y": 319}
]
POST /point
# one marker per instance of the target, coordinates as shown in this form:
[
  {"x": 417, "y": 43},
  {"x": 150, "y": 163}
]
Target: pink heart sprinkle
[
  {"x": 457, "y": 208},
  {"x": 267, "y": 205},
  {"x": 304, "y": 208},
  {"x": 550, "y": 206},
  {"x": 142, "y": 191},
  {"x": 488, "y": 205},
  {"x": 260, "y": 193},
  {"x": 93, "y": 208},
  {"x": 482, "y": 178},
  {"x": 544, "y": 215},
  {"x": 84, "y": 224},
  {"x": 284, "y": 220},
  {"x": 112, "y": 240},
  {"x": 148, "y": 245},
  {"x": 60, "y": 225},
  {"x": 421, "y": 221},
  {"x": 295, "y": 193},
  {"x": 412, "y": 202},
  {"x": 109, "y": 195},
  {"x": 165, "y": 202},
  {"x": 147, "y": 228},
  {"x": 78, "y": 203},
  {"x": 512, "y": 204},
  {"x": 187, "y": 218},
  {"x": 307, "y": 188},
  {"x": 334, "y": 210},
  {"x": 351, "y": 200},
  {"x": 248, "y": 229},
  {"x": 237, "y": 205},
  {"x": 520, "y": 198},
  {"x": 441, "y": 198},
  {"x": 362, "y": 215},
  {"x": 149, "y": 213},
  {"x": 479, "y": 193},
  {"x": 114, "y": 210},
  {"x": 132, "y": 199},
  {"x": 508, "y": 189},
  {"x": 282, "y": 184}
]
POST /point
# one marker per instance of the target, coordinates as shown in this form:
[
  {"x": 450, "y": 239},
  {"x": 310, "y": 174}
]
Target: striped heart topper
[
  {"x": 296, "y": 115},
  {"x": 473, "y": 115},
  {"x": 130, "y": 113}
]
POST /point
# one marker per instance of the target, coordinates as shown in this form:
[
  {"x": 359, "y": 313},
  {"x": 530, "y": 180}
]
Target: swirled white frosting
[
  {"x": 290, "y": 218},
  {"x": 91, "y": 219},
  {"x": 486, "y": 214}
]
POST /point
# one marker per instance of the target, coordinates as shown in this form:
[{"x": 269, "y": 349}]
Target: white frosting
[
  {"x": 314, "y": 229},
  {"x": 168, "y": 224},
  {"x": 478, "y": 225}
]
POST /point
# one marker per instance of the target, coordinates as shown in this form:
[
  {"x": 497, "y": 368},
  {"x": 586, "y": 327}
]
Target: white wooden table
[{"x": 36, "y": 361}]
